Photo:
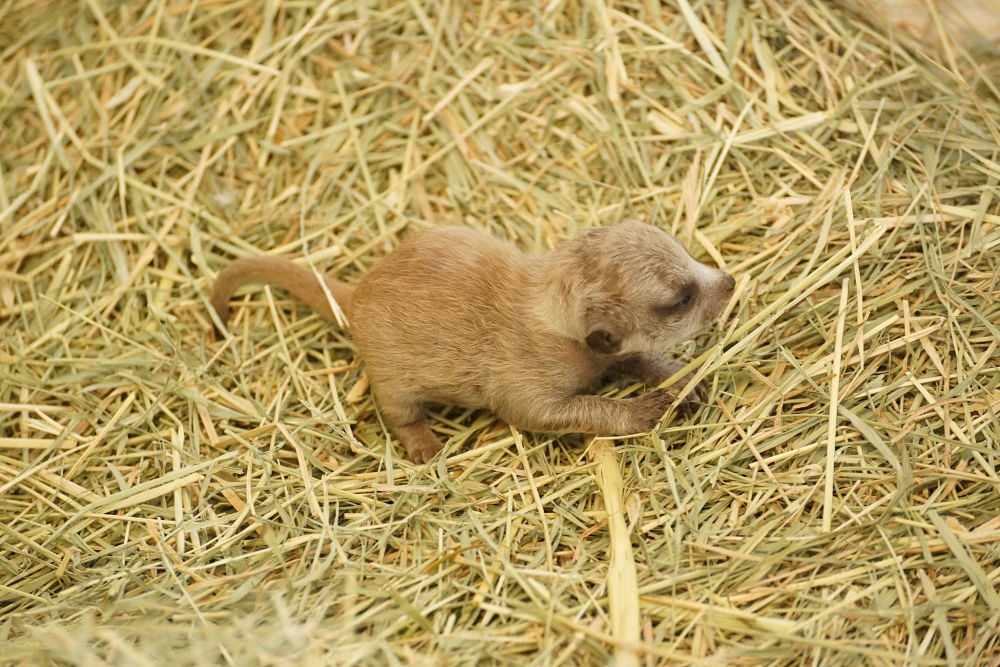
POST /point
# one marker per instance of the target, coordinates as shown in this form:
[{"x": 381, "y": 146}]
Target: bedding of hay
[{"x": 169, "y": 498}]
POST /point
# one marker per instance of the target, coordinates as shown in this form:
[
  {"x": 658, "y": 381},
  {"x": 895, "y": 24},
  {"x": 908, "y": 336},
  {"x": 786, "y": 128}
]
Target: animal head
[{"x": 638, "y": 290}]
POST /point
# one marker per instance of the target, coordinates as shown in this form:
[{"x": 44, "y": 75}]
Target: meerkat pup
[{"x": 456, "y": 317}]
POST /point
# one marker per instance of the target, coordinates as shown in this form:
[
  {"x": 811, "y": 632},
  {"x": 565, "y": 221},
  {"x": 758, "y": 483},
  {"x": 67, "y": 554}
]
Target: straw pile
[{"x": 167, "y": 497}]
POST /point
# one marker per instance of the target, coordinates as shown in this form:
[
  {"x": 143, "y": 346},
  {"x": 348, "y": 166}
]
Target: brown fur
[{"x": 456, "y": 317}]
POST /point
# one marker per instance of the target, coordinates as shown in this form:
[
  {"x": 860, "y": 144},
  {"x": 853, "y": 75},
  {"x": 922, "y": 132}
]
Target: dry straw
[{"x": 170, "y": 498}]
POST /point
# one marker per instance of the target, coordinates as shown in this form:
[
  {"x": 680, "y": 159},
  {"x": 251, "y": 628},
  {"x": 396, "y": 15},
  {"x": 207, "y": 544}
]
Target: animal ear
[
  {"x": 607, "y": 323},
  {"x": 602, "y": 340}
]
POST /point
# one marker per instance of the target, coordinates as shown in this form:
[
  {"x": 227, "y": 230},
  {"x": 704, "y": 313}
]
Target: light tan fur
[
  {"x": 453, "y": 316},
  {"x": 299, "y": 281}
]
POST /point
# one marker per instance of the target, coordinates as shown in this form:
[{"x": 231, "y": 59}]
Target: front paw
[
  {"x": 654, "y": 372},
  {"x": 695, "y": 397},
  {"x": 646, "y": 410},
  {"x": 423, "y": 452}
]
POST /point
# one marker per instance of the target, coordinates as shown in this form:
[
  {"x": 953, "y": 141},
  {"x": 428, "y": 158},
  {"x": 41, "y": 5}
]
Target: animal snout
[{"x": 728, "y": 282}]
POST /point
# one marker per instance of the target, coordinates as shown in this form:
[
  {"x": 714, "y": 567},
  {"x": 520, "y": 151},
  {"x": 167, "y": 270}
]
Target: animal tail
[{"x": 299, "y": 281}]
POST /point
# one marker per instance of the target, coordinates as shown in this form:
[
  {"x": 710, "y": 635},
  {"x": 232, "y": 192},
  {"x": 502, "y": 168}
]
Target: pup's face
[{"x": 644, "y": 292}]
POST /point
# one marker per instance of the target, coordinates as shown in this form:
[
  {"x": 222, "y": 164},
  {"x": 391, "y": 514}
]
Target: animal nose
[{"x": 728, "y": 282}]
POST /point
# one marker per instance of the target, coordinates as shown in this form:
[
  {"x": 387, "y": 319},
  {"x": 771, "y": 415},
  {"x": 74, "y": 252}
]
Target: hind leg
[
  {"x": 405, "y": 418},
  {"x": 421, "y": 444}
]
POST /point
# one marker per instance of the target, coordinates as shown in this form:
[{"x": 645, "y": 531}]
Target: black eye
[{"x": 678, "y": 306}]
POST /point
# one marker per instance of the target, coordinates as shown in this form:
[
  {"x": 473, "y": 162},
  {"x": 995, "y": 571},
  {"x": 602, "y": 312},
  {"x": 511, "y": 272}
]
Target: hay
[{"x": 166, "y": 498}]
